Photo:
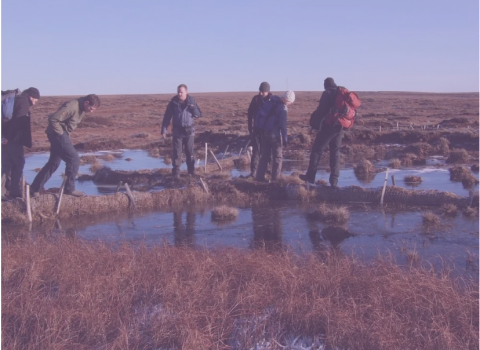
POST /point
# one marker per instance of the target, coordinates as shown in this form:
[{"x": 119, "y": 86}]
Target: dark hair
[
  {"x": 182, "y": 85},
  {"x": 33, "y": 92},
  {"x": 93, "y": 100}
]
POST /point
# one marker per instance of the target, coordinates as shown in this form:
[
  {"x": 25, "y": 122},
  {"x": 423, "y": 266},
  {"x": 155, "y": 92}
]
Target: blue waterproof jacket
[{"x": 182, "y": 116}]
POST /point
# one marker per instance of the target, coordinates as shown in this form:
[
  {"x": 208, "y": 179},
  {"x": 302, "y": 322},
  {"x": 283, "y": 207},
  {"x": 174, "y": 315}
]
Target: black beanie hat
[
  {"x": 33, "y": 92},
  {"x": 264, "y": 87},
  {"x": 329, "y": 82}
]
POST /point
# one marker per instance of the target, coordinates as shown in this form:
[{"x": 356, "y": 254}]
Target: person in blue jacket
[
  {"x": 182, "y": 110},
  {"x": 272, "y": 120}
]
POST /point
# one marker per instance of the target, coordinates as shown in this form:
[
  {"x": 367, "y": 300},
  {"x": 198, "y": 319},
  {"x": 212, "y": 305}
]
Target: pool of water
[
  {"x": 286, "y": 225},
  {"x": 434, "y": 177}
]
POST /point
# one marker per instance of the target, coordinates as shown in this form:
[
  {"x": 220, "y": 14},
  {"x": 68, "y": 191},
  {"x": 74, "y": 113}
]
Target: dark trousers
[
  {"x": 13, "y": 161},
  {"x": 271, "y": 149},
  {"x": 327, "y": 136},
  {"x": 61, "y": 148},
  {"x": 179, "y": 143}
]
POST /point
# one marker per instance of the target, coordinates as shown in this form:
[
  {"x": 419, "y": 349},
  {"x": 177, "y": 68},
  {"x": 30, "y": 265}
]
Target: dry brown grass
[
  {"x": 430, "y": 219},
  {"x": 224, "y": 213},
  {"x": 470, "y": 212},
  {"x": 395, "y": 163},
  {"x": 90, "y": 159},
  {"x": 95, "y": 166},
  {"x": 331, "y": 214},
  {"x": 364, "y": 167},
  {"x": 70, "y": 294},
  {"x": 449, "y": 209},
  {"x": 458, "y": 156},
  {"x": 463, "y": 174},
  {"x": 411, "y": 179}
]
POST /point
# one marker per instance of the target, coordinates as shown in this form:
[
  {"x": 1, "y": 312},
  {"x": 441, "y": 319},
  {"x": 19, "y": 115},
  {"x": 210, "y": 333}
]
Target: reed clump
[
  {"x": 458, "y": 156},
  {"x": 72, "y": 294},
  {"x": 430, "y": 219},
  {"x": 412, "y": 179},
  {"x": 224, "y": 213},
  {"x": 395, "y": 163},
  {"x": 331, "y": 214}
]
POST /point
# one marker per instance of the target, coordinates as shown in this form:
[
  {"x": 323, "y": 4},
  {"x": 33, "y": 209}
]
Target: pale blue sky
[{"x": 72, "y": 47}]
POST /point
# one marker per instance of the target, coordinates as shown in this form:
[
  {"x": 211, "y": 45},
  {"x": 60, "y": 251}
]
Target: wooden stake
[
  {"x": 118, "y": 187},
  {"x": 23, "y": 187},
  {"x": 471, "y": 193},
  {"x": 206, "y": 154},
  {"x": 384, "y": 186},
  {"x": 240, "y": 153},
  {"x": 61, "y": 194},
  {"x": 204, "y": 185},
  {"x": 29, "y": 208},
  {"x": 393, "y": 180},
  {"x": 130, "y": 196},
  {"x": 224, "y": 153},
  {"x": 216, "y": 160}
]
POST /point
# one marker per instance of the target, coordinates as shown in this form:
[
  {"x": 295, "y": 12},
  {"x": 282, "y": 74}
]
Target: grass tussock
[
  {"x": 470, "y": 212},
  {"x": 331, "y": 214},
  {"x": 108, "y": 157},
  {"x": 224, "y": 213},
  {"x": 449, "y": 209},
  {"x": 95, "y": 166},
  {"x": 411, "y": 179},
  {"x": 364, "y": 167},
  {"x": 71, "y": 294},
  {"x": 463, "y": 174},
  {"x": 430, "y": 219},
  {"x": 458, "y": 156},
  {"x": 89, "y": 159},
  {"x": 395, "y": 163}
]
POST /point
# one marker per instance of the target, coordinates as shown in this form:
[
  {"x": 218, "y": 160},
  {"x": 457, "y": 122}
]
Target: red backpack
[{"x": 345, "y": 108}]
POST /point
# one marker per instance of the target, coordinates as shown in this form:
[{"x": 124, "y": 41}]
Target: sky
[{"x": 72, "y": 47}]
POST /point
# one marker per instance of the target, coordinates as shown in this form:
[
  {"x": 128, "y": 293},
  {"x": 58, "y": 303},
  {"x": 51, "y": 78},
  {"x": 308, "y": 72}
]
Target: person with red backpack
[{"x": 330, "y": 132}]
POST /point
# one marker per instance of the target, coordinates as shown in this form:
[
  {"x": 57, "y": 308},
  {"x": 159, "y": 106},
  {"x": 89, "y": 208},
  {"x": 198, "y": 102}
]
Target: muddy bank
[{"x": 218, "y": 190}]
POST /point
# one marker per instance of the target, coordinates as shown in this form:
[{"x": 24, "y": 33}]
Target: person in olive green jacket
[{"x": 60, "y": 125}]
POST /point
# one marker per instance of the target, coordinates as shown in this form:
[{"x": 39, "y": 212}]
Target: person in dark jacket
[
  {"x": 256, "y": 104},
  {"x": 181, "y": 110},
  {"x": 329, "y": 135},
  {"x": 60, "y": 125},
  {"x": 16, "y": 134},
  {"x": 274, "y": 135}
]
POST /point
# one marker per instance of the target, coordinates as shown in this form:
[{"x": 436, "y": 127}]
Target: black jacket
[
  {"x": 18, "y": 129},
  {"x": 182, "y": 116},
  {"x": 327, "y": 101}
]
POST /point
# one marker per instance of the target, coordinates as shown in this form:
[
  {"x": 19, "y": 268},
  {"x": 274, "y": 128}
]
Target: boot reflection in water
[
  {"x": 184, "y": 234},
  {"x": 267, "y": 229}
]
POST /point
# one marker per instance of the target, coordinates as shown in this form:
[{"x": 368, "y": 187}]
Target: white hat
[{"x": 289, "y": 96}]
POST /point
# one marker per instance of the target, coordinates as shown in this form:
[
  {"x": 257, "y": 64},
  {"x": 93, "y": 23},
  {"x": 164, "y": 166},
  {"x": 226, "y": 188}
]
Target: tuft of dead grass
[
  {"x": 331, "y": 214},
  {"x": 449, "y": 209},
  {"x": 224, "y": 213},
  {"x": 458, "y": 156},
  {"x": 71, "y": 294},
  {"x": 430, "y": 219},
  {"x": 470, "y": 212},
  {"x": 463, "y": 174},
  {"x": 412, "y": 179},
  {"x": 395, "y": 163},
  {"x": 95, "y": 166},
  {"x": 89, "y": 159},
  {"x": 364, "y": 167}
]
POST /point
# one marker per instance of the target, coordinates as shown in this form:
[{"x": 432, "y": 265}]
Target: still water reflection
[{"x": 280, "y": 226}]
